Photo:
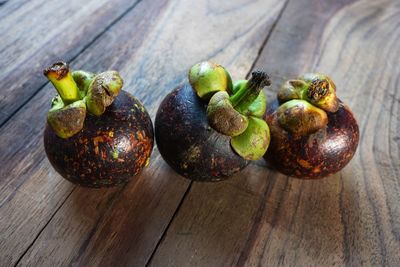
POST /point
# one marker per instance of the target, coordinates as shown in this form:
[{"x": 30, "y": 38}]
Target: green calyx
[
  {"x": 305, "y": 102},
  {"x": 254, "y": 141},
  {"x": 102, "y": 91},
  {"x": 79, "y": 91},
  {"x": 223, "y": 117},
  {"x": 292, "y": 89},
  {"x": 317, "y": 89},
  {"x": 228, "y": 114},
  {"x": 235, "y": 109},
  {"x": 300, "y": 117},
  {"x": 67, "y": 120},
  {"x": 207, "y": 78},
  {"x": 83, "y": 80},
  {"x": 321, "y": 91}
]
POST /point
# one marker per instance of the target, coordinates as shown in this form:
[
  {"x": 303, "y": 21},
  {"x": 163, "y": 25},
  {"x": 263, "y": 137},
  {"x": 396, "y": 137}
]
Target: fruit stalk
[
  {"x": 60, "y": 76},
  {"x": 250, "y": 91}
]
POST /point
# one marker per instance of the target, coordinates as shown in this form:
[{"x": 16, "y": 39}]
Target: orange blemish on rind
[{"x": 304, "y": 163}]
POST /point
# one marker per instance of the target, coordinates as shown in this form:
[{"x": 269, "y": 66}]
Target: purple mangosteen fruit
[
  {"x": 209, "y": 129},
  {"x": 97, "y": 135},
  {"x": 313, "y": 133}
]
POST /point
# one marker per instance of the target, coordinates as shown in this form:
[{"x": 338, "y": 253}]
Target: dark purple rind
[
  {"x": 317, "y": 155},
  {"x": 187, "y": 142},
  {"x": 110, "y": 149}
]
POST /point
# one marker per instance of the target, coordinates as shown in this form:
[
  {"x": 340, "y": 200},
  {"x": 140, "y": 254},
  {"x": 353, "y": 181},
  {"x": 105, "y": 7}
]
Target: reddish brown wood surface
[{"x": 258, "y": 217}]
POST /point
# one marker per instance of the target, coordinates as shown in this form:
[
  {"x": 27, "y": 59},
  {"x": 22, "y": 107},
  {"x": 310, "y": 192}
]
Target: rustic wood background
[{"x": 258, "y": 217}]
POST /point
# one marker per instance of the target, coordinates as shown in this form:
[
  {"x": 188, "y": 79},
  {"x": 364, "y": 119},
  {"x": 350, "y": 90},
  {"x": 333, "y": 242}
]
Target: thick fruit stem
[
  {"x": 60, "y": 76},
  {"x": 248, "y": 93}
]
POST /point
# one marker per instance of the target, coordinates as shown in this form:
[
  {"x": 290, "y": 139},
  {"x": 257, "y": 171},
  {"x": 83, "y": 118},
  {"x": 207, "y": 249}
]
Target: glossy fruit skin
[
  {"x": 316, "y": 155},
  {"x": 187, "y": 142},
  {"x": 109, "y": 150}
]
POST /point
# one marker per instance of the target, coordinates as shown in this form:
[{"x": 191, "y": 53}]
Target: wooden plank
[
  {"x": 22, "y": 218},
  {"x": 212, "y": 224},
  {"x": 152, "y": 46},
  {"x": 351, "y": 218},
  {"x": 38, "y": 32},
  {"x": 8, "y": 7},
  {"x": 362, "y": 225},
  {"x": 122, "y": 228}
]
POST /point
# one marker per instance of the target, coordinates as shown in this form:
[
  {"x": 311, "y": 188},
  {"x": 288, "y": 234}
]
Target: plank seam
[
  {"x": 264, "y": 43},
  {"x": 128, "y": 10},
  {"x": 244, "y": 255},
  {"x": 345, "y": 244},
  {"x": 169, "y": 224},
  {"x": 41, "y": 230},
  {"x": 255, "y": 227},
  {"x": 100, "y": 219}
]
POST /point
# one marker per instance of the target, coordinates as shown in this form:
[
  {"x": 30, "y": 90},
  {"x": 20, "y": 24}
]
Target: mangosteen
[
  {"x": 209, "y": 129},
  {"x": 313, "y": 133},
  {"x": 97, "y": 135}
]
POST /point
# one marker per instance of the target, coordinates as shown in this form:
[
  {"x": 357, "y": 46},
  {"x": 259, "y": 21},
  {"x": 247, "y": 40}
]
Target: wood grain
[
  {"x": 68, "y": 225},
  {"x": 38, "y": 32},
  {"x": 361, "y": 227},
  {"x": 7, "y": 7},
  {"x": 350, "y": 218},
  {"x": 258, "y": 217}
]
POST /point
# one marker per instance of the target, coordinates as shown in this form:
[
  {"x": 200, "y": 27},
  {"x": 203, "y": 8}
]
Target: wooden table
[{"x": 258, "y": 217}]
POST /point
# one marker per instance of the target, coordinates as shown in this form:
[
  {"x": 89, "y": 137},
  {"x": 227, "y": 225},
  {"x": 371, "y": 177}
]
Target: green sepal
[
  {"x": 223, "y": 117},
  {"x": 254, "y": 141},
  {"x": 102, "y": 90},
  {"x": 207, "y": 78},
  {"x": 83, "y": 79},
  {"x": 315, "y": 88},
  {"x": 229, "y": 88},
  {"x": 321, "y": 91},
  {"x": 300, "y": 117},
  {"x": 292, "y": 89},
  {"x": 67, "y": 120}
]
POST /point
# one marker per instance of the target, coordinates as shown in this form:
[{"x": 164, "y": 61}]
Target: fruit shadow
[
  {"x": 269, "y": 214},
  {"x": 131, "y": 217}
]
